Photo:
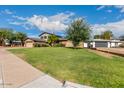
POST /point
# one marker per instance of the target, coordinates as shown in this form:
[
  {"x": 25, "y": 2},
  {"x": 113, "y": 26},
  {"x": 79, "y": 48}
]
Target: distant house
[
  {"x": 104, "y": 43},
  {"x": 30, "y": 42}
]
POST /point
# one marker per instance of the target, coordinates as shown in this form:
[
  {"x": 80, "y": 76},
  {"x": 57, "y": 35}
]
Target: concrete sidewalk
[{"x": 15, "y": 72}]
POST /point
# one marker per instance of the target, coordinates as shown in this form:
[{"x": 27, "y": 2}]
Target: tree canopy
[
  {"x": 52, "y": 39},
  {"x": 78, "y": 31},
  {"x": 107, "y": 35},
  {"x": 11, "y": 35}
]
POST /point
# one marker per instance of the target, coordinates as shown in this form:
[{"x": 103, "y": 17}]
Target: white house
[
  {"x": 104, "y": 43},
  {"x": 44, "y": 36}
]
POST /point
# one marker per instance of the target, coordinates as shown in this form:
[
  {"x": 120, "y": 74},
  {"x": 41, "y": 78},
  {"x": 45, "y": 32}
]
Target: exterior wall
[
  {"x": 63, "y": 42},
  {"x": 119, "y": 44},
  {"x": 69, "y": 44},
  {"x": 43, "y": 37},
  {"x": 93, "y": 44},
  {"x": 109, "y": 44},
  {"x": 29, "y": 43},
  {"x": 115, "y": 44},
  {"x": 112, "y": 44},
  {"x": 85, "y": 45}
]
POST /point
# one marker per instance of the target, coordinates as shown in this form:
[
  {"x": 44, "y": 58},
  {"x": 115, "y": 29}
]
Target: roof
[
  {"x": 100, "y": 40},
  {"x": 49, "y": 33},
  {"x": 35, "y": 39},
  {"x": 107, "y": 40}
]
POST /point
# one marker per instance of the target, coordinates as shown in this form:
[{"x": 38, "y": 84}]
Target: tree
[
  {"x": 97, "y": 36},
  {"x": 21, "y": 36},
  {"x": 52, "y": 39},
  {"x": 5, "y": 33},
  {"x": 78, "y": 31},
  {"x": 107, "y": 35}
]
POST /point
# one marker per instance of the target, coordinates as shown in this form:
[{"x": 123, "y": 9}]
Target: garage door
[
  {"x": 101, "y": 44},
  {"x": 29, "y": 44}
]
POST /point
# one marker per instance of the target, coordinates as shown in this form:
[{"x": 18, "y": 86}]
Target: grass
[{"x": 76, "y": 65}]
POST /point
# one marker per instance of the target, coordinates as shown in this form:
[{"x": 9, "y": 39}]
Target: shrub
[
  {"x": 121, "y": 45},
  {"x": 59, "y": 45},
  {"x": 45, "y": 45},
  {"x": 37, "y": 45}
]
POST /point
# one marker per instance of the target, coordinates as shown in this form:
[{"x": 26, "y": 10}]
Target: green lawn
[{"x": 76, "y": 65}]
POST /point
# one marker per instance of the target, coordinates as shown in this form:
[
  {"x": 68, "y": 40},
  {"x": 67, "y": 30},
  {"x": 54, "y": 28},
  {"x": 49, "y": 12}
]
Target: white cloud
[
  {"x": 19, "y": 17},
  {"x": 61, "y": 17},
  {"x": 121, "y": 7},
  {"x": 7, "y": 11},
  {"x": 46, "y": 24},
  {"x": 52, "y": 23},
  {"x": 116, "y": 27},
  {"x": 15, "y": 23},
  {"x": 101, "y": 7},
  {"x": 109, "y": 11}
]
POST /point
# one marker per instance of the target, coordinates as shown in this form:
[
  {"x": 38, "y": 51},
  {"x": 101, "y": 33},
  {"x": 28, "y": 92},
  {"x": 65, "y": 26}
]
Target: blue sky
[{"x": 35, "y": 19}]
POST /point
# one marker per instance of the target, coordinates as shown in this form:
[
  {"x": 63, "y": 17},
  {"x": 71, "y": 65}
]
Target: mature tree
[
  {"x": 21, "y": 36},
  {"x": 97, "y": 36},
  {"x": 107, "y": 35},
  {"x": 52, "y": 39},
  {"x": 5, "y": 34},
  {"x": 78, "y": 31}
]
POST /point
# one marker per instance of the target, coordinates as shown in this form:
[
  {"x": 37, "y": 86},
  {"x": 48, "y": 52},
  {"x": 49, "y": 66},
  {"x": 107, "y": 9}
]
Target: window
[{"x": 45, "y": 37}]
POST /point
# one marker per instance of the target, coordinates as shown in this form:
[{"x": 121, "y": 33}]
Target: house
[
  {"x": 30, "y": 42},
  {"x": 43, "y": 38},
  {"x": 104, "y": 43},
  {"x": 45, "y": 35}
]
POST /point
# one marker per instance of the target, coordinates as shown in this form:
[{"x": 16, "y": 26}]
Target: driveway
[{"x": 117, "y": 51}]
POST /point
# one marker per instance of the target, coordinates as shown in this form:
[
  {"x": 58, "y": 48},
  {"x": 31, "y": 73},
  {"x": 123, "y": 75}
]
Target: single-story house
[
  {"x": 104, "y": 43},
  {"x": 30, "y": 42}
]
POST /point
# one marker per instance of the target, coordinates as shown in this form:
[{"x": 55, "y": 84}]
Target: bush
[
  {"x": 59, "y": 45},
  {"x": 37, "y": 45},
  {"x": 45, "y": 45},
  {"x": 121, "y": 45}
]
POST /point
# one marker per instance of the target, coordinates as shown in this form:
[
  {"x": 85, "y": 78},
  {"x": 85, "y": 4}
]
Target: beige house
[{"x": 30, "y": 42}]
